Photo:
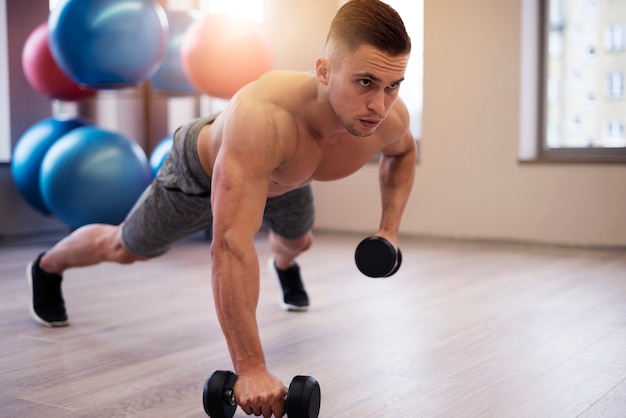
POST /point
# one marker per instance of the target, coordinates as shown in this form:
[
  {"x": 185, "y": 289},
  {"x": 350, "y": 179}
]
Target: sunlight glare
[{"x": 250, "y": 8}]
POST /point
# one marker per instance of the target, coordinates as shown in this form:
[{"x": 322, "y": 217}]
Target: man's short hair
[{"x": 370, "y": 22}]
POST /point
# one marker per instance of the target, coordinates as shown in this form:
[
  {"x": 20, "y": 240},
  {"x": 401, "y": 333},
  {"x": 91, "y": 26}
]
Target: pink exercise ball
[
  {"x": 42, "y": 72},
  {"x": 223, "y": 52}
]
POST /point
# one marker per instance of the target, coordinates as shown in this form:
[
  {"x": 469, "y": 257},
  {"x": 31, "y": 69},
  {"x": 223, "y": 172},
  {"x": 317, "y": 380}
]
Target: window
[
  {"x": 615, "y": 85},
  {"x": 583, "y": 66},
  {"x": 614, "y": 37},
  {"x": 614, "y": 134}
]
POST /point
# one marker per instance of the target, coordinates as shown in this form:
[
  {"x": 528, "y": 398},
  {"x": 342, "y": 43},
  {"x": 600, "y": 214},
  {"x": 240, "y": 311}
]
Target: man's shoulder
[
  {"x": 398, "y": 120},
  {"x": 282, "y": 89},
  {"x": 260, "y": 116},
  {"x": 276, "y": 98}
]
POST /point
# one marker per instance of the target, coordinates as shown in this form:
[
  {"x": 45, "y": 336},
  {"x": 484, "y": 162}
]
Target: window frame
[{"x": 566, "y": 154}]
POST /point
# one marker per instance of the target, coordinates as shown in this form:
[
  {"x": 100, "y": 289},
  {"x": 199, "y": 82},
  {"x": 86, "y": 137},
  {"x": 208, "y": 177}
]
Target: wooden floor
[{"x": 463, "y": 330}]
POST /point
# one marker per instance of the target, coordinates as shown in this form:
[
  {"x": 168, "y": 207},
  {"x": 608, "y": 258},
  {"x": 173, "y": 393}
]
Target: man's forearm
[
  {"x": 236, "y": 293},
  {"x": 396, "y": 176}
]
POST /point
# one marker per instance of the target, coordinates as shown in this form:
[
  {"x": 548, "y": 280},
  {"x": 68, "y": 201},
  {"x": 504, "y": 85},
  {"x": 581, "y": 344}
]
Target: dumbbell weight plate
[
  {"x": 375, "y": 257},
  {"x": 398, "y": 263},
  {"x": 217, "y": 403},
  {"x": 303, "y": 398}
]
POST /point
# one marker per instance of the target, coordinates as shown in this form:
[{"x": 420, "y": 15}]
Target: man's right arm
[{"x": 240, "y": 184}]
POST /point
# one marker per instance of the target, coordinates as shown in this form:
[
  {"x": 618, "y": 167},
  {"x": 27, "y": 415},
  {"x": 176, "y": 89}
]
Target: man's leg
[
  {"x": 86, "y": 246},
  {"x": 286, "y": 250},
  {"x": 287, "y": 271},
  {"x": 181, "y": 195}
]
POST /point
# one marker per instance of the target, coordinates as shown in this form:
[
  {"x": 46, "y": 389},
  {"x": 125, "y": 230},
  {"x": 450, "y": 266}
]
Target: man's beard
[{"x": 350, "y": 127}]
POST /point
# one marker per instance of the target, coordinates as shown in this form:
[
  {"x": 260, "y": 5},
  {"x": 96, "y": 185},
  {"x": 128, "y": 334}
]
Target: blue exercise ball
[
  {"x": 29, "y": 152},
  {"x": 160, "y": 153},
  {"x": 91, "y": 175},
  {"x": 108, "y": 44},
  {"x": 170, "y": 77}
]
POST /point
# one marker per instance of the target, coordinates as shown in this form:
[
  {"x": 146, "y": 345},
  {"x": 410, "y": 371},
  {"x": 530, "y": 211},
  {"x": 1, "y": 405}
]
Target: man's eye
[{"x": 365, "y": 82}]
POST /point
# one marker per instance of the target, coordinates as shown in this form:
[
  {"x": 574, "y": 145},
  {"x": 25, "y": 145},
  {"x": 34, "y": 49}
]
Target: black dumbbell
[
  {"x": 376, "y": 257},
  {"x": 303, "y": 398}
]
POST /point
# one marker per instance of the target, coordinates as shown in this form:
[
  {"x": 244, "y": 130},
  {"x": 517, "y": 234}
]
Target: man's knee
[
  {"x": 124, "y": 256},
  {"x": 298, "y": 244},
  {"x": 119, "y": 253},
  {"x": 306, "y": 241}
]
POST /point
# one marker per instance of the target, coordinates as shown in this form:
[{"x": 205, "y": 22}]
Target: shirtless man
[{"x": 254, "y": 163}]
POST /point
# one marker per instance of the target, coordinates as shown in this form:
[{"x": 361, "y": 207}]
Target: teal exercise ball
[
  {"x": 29, "y": 152},
  {"x": 108, "y": 44},
  {"x": 170, "y": 78},
  {"x": 160, "y": 153},
  {"x": 93, "y": 176}
]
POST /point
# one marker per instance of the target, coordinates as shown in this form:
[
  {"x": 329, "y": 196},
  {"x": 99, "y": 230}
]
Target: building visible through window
[{"x": 584, "y": 102}]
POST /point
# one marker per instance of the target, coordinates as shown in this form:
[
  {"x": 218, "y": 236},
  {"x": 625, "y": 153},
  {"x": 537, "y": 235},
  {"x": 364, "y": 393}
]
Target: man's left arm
[{"x": 396, "y": 175}]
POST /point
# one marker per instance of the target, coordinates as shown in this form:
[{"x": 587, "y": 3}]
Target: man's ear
[{"x": 322, "y": 70}]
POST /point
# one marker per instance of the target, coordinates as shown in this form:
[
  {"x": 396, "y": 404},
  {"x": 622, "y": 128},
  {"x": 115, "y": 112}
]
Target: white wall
[{"x": 469, "y": 182}]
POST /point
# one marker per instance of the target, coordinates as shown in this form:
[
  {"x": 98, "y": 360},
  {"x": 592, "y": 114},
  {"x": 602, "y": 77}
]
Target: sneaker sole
[
  {"x": 41, "y": 321},
  {"x": 293, "y": 308},
  {"x": 285, "y": 306}
]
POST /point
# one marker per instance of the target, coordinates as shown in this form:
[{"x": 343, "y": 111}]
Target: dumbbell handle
[{"x": 230, "y": 395}]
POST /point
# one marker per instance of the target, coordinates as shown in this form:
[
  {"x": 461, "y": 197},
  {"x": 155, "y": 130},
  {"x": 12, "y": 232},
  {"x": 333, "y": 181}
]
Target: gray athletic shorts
[{"x": 178, "y": 202}]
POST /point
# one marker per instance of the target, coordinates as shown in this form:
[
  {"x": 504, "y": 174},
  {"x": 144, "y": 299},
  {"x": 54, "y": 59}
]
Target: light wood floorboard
[{"x": 463, "y": 330}]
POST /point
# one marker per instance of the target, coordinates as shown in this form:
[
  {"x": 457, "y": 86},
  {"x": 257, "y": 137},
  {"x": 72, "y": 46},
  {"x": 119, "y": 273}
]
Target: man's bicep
[
  {"x": 238, "y": 197},
  {"x": 250, "y": 151}
]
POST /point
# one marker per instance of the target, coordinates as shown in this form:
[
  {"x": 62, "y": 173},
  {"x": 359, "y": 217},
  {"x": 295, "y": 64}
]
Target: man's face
[{"x": 363, "y": 87}]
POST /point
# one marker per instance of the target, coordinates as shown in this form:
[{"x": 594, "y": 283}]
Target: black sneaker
[
  {"x": 46, "y": 304},
  {"x": 294, "y": 295}
]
